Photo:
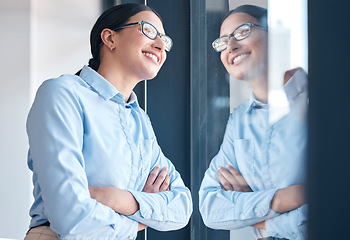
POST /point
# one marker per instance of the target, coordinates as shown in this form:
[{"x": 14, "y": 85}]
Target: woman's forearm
[
  {"x": 125, "y": 203},
  {"x": 119, "y": 200},
  {"x": 122, "y": 201},
  {"x": 289, "y": 198}
]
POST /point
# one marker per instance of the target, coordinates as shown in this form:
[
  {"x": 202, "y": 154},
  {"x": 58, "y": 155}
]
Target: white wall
[
  {"x": 40, "y": 39},
  {"x": 60, "y": 36},
  {"x": 15, "y": 193}
]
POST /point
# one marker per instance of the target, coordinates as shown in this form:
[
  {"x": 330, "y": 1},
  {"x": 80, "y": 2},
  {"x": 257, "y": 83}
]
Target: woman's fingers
[
  {"x": 230, "y": 178},
  {"x": 157, "y": 182},
  {"x": 161, "y": 177},
  {"x": 234, "y": 178},
  {"x": 152, "y": 177},
  {"x": 239, "y": 178},
  {"x": 225, "y": 184},
  {"x": 165, "y": 184}
]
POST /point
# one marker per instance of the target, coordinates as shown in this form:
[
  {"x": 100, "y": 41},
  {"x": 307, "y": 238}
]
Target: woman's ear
[{"x": 108, "y": 38}]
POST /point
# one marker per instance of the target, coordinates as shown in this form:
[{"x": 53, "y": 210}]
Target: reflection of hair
[
  {"x": 257, "y": 12},
  {"x": 112, "y": 18}
]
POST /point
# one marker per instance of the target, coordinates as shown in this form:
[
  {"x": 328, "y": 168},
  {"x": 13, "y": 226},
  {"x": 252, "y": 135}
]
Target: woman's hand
[
  {"x": 260, "y": 225},
  {"x": 141, "y": 227},
  {"x": 157, "y": 183},
  {"x": 232, "y": 180}
]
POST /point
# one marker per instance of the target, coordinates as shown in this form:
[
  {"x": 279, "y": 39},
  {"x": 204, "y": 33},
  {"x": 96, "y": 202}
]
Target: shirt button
[
  {"x": 256, "y": 210},
  {"x": 241, "y": 216}
]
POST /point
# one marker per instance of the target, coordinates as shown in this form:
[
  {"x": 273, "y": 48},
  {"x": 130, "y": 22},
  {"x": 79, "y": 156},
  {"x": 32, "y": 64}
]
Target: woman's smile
[
  {"x": 155, "y": 58},
  {"x": 239, "y": 58}
]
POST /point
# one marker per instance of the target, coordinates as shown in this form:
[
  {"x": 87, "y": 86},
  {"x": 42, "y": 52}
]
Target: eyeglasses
[
  {"x": 151, "y": 32},
  {"x": 240, "y": 33}
]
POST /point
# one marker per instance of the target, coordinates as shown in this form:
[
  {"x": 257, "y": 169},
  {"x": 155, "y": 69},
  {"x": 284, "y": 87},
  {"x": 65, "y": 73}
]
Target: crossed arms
[
  {"x": 284, "y": 200},
  {"x": 123, "y": 202},
  {"x": 227, "y": 202}
]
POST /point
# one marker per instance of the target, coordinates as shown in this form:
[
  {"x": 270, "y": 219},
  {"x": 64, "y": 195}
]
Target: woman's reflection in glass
[{"x": 257, "y": 178}]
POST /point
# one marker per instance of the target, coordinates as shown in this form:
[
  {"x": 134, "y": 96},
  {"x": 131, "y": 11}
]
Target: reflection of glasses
[
  {"x": 151, "y": 32},
  {"x": 240, "y": 33}
]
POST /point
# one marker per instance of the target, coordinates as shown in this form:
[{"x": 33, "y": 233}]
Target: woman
[
  {"x": 257, "y": 177},
  {"x": 93, "y": 152}
]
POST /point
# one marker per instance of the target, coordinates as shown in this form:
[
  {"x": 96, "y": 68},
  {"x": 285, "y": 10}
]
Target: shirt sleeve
[
  {"x": 55, "y": 131},
  {"x": 168, "y": 210},
  {"x": 230, "y": 210},
  {"x": 290, "y": 225}
]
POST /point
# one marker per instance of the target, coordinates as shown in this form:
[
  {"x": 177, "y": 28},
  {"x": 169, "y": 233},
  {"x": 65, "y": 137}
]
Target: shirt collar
[
  {"x": 296, "y": 84},
  {"x": 255, "y": 103},
  {"x": 104, "y": 88},
  {"x": 132, "y": 101}
]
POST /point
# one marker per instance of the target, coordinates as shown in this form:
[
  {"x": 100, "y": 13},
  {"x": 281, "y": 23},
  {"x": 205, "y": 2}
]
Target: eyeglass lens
[
  {"x": 242, "y": 32},
  {"x": 239, "y": 33},
  {"x": 151, "y": 32}
]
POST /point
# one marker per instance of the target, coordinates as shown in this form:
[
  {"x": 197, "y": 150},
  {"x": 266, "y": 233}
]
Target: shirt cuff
[
  {"x": 148, "y": 207},
  {"x": 254, "y": 206}
]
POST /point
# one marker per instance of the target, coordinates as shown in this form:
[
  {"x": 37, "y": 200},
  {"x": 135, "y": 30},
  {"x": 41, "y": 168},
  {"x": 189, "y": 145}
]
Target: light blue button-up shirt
[
  {"x": 82, "y": 133},
  {"x": 269, "y": 157}
]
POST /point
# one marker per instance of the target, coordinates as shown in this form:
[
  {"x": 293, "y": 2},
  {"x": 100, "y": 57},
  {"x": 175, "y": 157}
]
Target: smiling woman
[
  {"x": 128, "y": 55},
  {"x": 246, "y": 57},
  {"x": 93, "y": 152}
]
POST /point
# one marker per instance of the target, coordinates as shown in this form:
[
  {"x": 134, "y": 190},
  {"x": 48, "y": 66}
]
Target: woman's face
[
  {"x": 245, "y": 59},
  {"x": 138, "y": 54}
]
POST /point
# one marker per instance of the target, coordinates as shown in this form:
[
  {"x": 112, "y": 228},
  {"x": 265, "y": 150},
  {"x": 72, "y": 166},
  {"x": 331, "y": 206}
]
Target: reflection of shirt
[
  {"x": 82, "y": 133},
  {"x": 269, "y": 157}
]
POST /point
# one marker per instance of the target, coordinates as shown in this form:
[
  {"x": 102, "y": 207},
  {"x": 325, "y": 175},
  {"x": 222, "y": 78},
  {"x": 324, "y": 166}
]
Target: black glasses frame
[
  {"x": 215, "y": 42},
  {"x": 168, "y": 42}
]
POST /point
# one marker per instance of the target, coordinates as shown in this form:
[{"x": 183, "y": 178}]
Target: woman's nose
[
  {"x": 232, "y": 44},
  {"x": 159, "y": 44}
]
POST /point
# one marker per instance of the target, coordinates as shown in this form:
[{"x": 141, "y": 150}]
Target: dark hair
[
  {"x": 112, "y": 18},
  {"x": 257, "y": 12}
]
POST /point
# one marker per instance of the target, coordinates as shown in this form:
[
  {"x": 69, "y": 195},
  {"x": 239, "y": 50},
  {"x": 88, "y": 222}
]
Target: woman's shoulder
[
  {"x": 63, "y": 81},
  {"x": 64, "y": 86}
]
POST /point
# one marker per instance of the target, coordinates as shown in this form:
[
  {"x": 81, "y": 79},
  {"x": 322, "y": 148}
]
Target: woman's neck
[
  {"x": 260, "y": 89},
  {"x": 124, "y": 83}
]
